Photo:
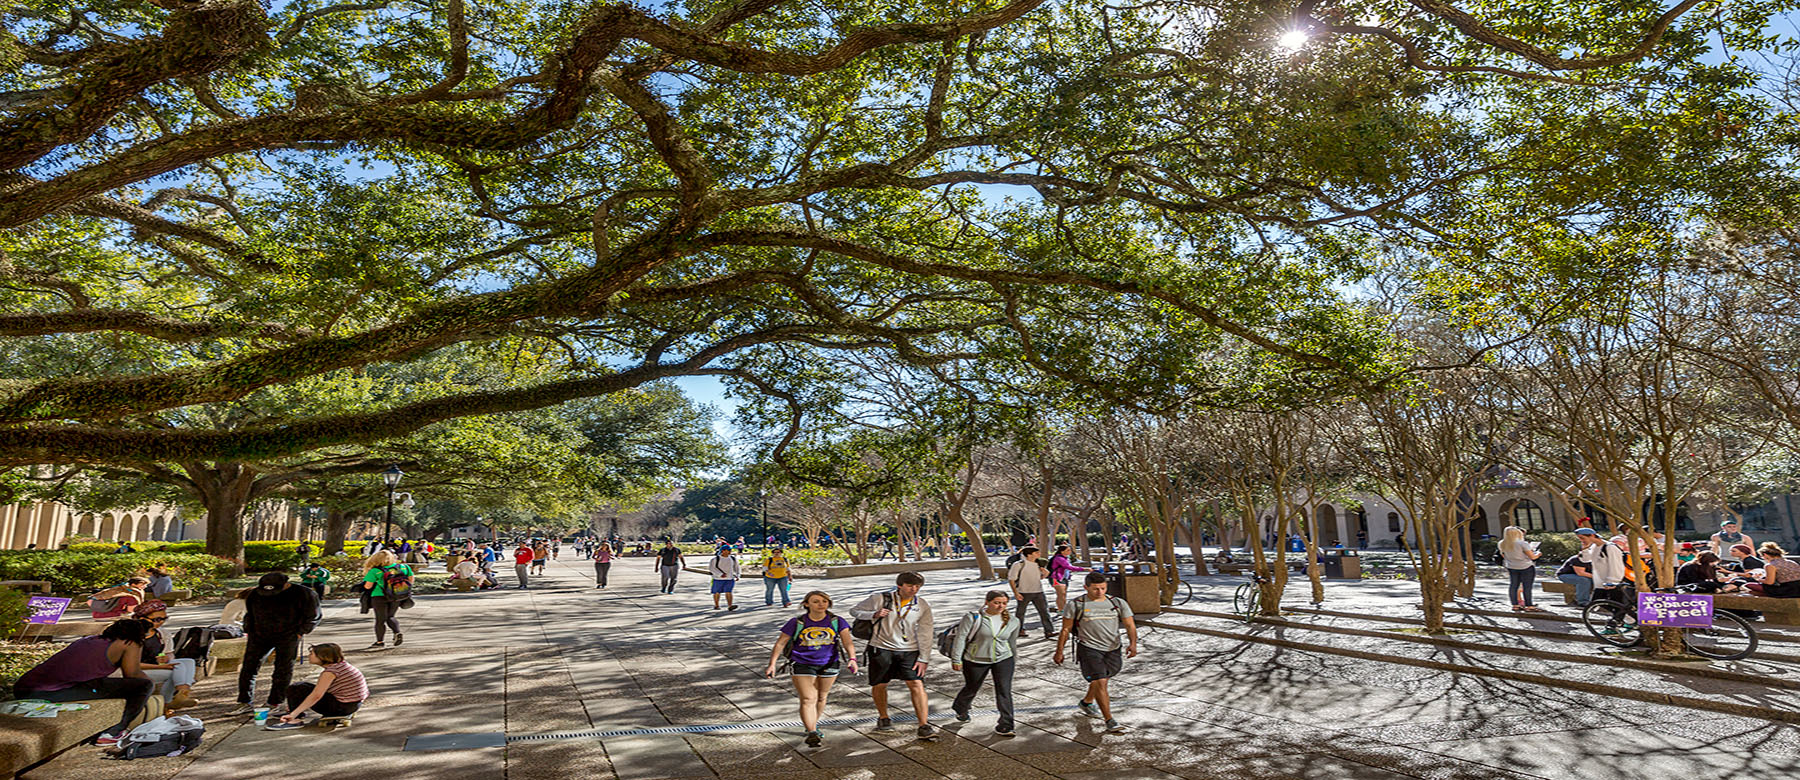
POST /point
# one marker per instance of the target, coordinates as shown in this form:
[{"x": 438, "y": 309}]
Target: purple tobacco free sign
[
  {"x": 45, "y": 610},
  {"x": 1675, "y": 610}
]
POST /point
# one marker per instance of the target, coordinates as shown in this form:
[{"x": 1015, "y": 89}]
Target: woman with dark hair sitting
[
  {"x": 83, "y": 671},
  {"x": 1702, "y": 573}
]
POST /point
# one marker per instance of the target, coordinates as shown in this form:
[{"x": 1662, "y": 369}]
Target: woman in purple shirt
[
  {"x": 815, "y": 643},
  {"x": 82, "y": 671},
  {"x": 1060, "y": 569}
]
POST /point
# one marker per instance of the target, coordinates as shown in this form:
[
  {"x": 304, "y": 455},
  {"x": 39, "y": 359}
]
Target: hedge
[
  {"x": 12, "y": 611},
  {"x": 81, "y": 573},
  {"x": 258, "y": 556}
]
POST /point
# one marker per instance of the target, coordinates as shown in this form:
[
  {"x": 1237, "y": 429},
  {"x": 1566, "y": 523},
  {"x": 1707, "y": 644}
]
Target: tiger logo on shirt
[{"x": 817, "y": 636}]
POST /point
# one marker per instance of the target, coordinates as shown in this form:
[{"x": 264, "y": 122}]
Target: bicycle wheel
[
  {"x": 1612, "y": 622},
  {"x": 1728, "y": 638},
  {"x": 1244, "y": 603},
  {"x": 1187, "y": 593}
]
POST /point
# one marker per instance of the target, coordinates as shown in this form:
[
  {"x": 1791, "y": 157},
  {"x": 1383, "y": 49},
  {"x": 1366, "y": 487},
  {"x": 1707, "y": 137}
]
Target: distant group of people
[
  {"x": 818, "y": 646},
  {"x": 1732, "y": 563}
]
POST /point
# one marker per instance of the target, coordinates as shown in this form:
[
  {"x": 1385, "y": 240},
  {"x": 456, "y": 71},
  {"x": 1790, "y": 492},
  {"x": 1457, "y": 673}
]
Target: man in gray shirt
[
  {"x": 1096, "y": 618},
  {"x": 899, "y": 647},
  {"x": 1027, "y": 581}
]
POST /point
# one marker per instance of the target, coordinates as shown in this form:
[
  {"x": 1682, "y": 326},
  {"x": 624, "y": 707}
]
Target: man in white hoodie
[
  {"x": 725, "y": 573},
  {"x": 899, "y": 647}
]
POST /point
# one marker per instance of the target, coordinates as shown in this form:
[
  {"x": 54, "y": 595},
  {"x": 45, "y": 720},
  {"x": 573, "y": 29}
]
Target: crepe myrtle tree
[{"x": 204, "y": 203}]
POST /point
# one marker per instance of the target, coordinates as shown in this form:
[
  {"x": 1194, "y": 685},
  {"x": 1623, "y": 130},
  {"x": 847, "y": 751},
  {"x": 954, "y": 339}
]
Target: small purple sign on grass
[
  {"x": 46, "y": 610},
  {"x": 1675, "y": 610}
]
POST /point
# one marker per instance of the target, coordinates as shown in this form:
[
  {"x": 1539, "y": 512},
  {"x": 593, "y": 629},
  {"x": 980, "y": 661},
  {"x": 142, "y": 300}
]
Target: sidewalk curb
[{"x": 1673, "y": 700}]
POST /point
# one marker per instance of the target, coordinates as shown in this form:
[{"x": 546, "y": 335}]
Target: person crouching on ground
[
  {"x": 1099, "y": 618},
  {"x": 725, "y": 572},
  {"x": 173, "y": 678},
  {"x": 339, "y": 692},
  {"x": 820, "y": 642}
]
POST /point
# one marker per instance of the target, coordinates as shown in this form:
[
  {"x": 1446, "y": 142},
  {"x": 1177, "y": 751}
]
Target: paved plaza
[{"x": 504, "y": 683}]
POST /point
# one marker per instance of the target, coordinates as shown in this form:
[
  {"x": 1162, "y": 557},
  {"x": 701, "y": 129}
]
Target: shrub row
[
  {"x": 258, "y": 556},
  {"x": 79, "y": 573}
]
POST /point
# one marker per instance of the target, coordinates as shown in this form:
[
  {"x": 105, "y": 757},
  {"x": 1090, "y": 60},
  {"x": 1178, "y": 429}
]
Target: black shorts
[
  {"x": 814, "y": 670},
  {"x": 1097, "y": 664},
  {"x": 888, "y": 665}
]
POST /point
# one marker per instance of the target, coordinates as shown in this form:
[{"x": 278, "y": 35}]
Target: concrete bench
[
  {"x": 76, "y": 628},
  {"x": 27, "y": 741},
  {"x": 1775, "y": 612}
]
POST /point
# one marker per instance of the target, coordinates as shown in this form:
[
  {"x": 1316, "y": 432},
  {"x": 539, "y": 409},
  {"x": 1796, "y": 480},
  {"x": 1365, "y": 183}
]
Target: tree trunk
[
  {"x": 953, "y": 512},
  {"x": 1196, "y": 541},
  {"x": 225, "y": 489},
  {"x": 1313, "y": 573},
  {"x": 1433, "y": 591},
  {"x": 337, "y": 528},
  {"x": 1466, "y": 586}
]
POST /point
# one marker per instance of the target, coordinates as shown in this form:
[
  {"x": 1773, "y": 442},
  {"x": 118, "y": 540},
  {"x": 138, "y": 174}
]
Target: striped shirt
[{"x": 347, "y": 684}]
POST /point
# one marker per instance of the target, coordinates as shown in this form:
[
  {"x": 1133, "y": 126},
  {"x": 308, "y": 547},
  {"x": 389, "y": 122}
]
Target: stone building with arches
[{"x": 45, "y": 524}]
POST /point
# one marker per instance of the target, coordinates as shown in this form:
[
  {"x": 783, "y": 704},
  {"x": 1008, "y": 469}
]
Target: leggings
[
  {"x": 600, "y": 570},
  {"x": 1003, "y": 679},
  {"x": 134, "y": 690},
  {"x": 1518, "y": 585},
  {"x": 387, "y": 615},
  {"x": 327, "y": 705}
]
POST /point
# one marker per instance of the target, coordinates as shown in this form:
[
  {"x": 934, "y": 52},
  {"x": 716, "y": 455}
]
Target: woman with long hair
[
  {"x": 815, "y": 643},
  {"x": 1702, "y": 572},
  {"x": 172, "y": 677},
  {"x": 380, "y": 572},
  {"x": 1060, "y": 569},
  {"x": 986, "y": 642},
  {"x": 1780, "y": 577},
  {"x": 1521, "y": 569}
]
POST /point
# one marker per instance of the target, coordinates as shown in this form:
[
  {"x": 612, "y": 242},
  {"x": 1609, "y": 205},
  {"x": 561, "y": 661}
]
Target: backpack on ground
[
  {"x": 865, "y": 629},
  {"x": 396, "y": 583},
  {"x": 170, "y": 736},
  {"x": 226, "y": 631},
  {"x": 192, "y": 642}
]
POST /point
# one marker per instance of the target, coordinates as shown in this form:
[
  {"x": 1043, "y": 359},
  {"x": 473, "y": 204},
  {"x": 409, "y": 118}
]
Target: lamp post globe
[{"x": 392, "y": 478}]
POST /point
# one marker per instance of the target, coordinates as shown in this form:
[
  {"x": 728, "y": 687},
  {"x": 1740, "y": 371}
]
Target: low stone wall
[{"x": 895, "y": 567}]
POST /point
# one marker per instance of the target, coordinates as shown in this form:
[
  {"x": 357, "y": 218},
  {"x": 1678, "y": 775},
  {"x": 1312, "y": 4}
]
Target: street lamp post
[
  {"x": 392, "y": 478},
  {"x": 764, "y": 495}
]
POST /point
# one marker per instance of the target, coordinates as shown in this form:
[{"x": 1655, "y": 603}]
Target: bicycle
[
  {"x": 1247, "y": 601},
  {"x": 1615, "y": 622}
]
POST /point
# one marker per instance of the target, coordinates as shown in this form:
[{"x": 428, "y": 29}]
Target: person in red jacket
[{"x": 522, "y": 563}]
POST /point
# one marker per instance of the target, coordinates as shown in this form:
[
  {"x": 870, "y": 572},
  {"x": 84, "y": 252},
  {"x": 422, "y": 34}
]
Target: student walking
[
  {"x": 669, "y": 561},
  {"x": 725, "y": 573},
  {"x": 540, "y": 555},
  {"x": 1095, "y": 619},
  {"x": 1027, "y": 580},
  {"x": 986, "y": 643},
  {"x": 276, "y": 614},
  {"x": 775, "y": 575},
  {"x": 388, "y": 584},
  {"x": 1060, "y": 570},
  {"x": 899, "y": 645},
  {"x": 522, "y": 564},
  {"x": 815, "y": 644},
  {"x": 603, "y": 556},
  {"x": 339, "y": 693},
  {"x": 316, "y": 577}
]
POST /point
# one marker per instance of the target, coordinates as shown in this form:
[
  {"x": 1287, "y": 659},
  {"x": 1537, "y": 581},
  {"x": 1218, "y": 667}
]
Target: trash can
[
  {"x": 1343, "y": 565},
  {"x": 1137, "y": 586}
]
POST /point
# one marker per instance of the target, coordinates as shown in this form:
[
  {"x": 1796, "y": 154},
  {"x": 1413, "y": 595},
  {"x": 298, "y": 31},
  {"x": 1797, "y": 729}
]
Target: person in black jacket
[{"x": 276, "y": 614}]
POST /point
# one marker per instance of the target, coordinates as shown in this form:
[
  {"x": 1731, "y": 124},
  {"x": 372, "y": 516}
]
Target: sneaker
[
  {"x": 280, "y": 725},
  {"x": 242, "y": 708},
  {"x": 1090, "y": 709},
  {"x": 107, "y": 740},
  {"x": 884, "y": 724},
  {"x": 1003, "y": 731},
  {"x": 377, "y": 645},
  {"x": 926, "y": 732},
  {"x": 1114, "y": 727},
  {"x": 398, "y": 638},
  {"x": 813, "y": 739},
  {"x": 962, "y": 717},
  {"x": 732, "y": 608}
]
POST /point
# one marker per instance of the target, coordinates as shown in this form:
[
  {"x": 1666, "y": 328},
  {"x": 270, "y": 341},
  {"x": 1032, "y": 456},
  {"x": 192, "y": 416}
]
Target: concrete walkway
[{"x": 502, "y": 667}]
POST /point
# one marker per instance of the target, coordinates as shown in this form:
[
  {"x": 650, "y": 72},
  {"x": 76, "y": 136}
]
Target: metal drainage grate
[{"x": 471, "y": 741}]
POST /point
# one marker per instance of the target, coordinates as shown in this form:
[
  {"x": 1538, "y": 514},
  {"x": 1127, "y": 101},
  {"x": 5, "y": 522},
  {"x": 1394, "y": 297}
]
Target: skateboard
[{"x": 336, "y": 723}]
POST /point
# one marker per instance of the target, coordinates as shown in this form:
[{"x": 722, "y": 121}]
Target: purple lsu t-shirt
[{"x": 814, "y": 640}]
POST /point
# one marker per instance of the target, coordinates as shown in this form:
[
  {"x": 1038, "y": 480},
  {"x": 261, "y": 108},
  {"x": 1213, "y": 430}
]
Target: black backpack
[
  {"x": 193, "y": 642},
  {"x": 1012, "y": 559},
  {"x": 865, "y": 629},
  {"x": 172, "y": 744}
]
